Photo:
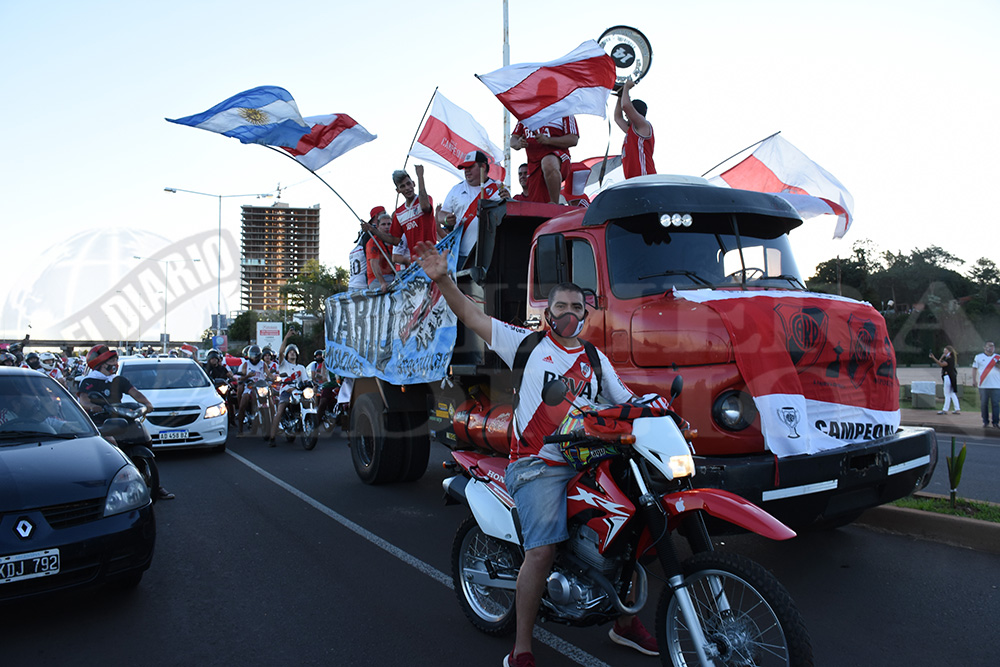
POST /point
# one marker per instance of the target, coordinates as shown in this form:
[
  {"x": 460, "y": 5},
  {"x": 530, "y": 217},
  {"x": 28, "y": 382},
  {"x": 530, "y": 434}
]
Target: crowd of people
[{"x": 386, "y": 242}]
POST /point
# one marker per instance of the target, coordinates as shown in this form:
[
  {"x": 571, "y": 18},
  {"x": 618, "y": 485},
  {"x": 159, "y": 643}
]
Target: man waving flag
[{"x": 539, "y": 93}]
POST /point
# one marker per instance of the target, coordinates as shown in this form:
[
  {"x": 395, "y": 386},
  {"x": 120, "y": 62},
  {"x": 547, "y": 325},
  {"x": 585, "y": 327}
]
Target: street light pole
[
  {"x": 218, "y": 294},
  {"x": 166, "y": 289}
]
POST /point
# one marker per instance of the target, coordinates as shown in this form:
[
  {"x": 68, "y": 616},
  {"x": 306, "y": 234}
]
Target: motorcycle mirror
[
  {"x": 676, "y": 386},
  {"x": 554, "y": 392},
  {"x": 97, "y": 397}
]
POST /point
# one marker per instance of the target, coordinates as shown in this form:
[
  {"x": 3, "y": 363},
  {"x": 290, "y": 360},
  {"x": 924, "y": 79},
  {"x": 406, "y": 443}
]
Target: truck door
[{"x": 557, "y": 259}]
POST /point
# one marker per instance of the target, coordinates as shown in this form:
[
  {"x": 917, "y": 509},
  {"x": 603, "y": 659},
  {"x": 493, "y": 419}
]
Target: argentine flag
[{"x": 263, "y": 115}]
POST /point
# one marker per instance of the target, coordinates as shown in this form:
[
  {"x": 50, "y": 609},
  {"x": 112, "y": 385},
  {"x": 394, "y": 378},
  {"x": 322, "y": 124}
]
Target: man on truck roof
[{"x": 538, "y": 475}]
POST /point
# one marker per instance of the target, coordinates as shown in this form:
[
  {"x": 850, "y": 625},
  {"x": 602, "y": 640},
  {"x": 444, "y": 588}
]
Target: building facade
[{"x": 276, "y": 242}]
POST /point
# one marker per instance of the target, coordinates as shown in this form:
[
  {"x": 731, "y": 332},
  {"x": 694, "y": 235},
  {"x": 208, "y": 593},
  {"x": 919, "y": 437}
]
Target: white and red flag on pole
[
  {"x": 450, "y": 133},
  {"x": 779, "y": 167},
  {"x": 538, "y": 93},
  {"x": 331, "y": 136}
]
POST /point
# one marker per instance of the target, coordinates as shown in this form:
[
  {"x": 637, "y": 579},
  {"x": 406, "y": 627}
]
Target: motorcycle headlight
[
  {"x": 215, "y": 411},
  {"x": 263, "y": 392},
  {"x": 734, "y": 410},
  {"x": 308, "y": 393},
  {"x": 223, "y": 389},
  {"x": 128, "y": 492},
  {"x": 681, "y": 466}
]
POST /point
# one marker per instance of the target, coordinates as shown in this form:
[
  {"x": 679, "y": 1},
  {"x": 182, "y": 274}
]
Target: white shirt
[
  {"x": 462, "y": 200},
  {"x": 293, "y": 372},
  {"x": 356, "y": 262},
  {"x": 992, "y": 379},
  {"x": 549, "y": 360}
]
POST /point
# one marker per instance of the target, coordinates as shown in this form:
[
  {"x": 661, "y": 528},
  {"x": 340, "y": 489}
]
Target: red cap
[
  {"x": 378, "y": 210},
  {"x": 472, "y": 157}
]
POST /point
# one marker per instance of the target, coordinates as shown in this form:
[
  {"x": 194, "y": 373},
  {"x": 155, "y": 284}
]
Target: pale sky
[{"x": 899, "y": 100}]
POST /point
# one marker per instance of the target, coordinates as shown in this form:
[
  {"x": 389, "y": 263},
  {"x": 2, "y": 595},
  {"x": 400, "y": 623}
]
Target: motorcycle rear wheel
[
  {"x": 489, "y": 609},
  {"x": 762, "y": 626}
]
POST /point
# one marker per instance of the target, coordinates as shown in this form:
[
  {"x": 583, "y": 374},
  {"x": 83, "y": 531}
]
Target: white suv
[{"x": 187, "y": 410}]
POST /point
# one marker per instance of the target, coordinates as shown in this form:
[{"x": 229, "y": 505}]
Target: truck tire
[
  {"x": 377, "y": 455},
  {"x": 416, "y": 445}
]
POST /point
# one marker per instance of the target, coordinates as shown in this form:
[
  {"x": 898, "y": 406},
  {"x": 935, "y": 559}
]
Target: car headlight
[
  {"x": 734, "y": 410},
  {"x": 215, "y": 411},
  {"x": 128, "y": 492},
  {"x": 308, "y": 393}
]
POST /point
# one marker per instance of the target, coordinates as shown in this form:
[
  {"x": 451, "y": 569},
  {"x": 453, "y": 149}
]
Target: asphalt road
[
  {"x": 980, "y": 474},
  {"x": 281, "y": 556}
]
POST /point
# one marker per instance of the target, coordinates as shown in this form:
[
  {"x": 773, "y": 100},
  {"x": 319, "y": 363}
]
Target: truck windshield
[{"x": 645, "y": 258}]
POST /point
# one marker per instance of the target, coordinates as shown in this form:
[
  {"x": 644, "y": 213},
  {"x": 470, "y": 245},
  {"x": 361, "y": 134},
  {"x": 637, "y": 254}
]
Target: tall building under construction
[{"x": 276, "y": 243}]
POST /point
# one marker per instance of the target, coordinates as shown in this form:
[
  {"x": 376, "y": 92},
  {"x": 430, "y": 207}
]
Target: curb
[{"x": 944, "y": 528}]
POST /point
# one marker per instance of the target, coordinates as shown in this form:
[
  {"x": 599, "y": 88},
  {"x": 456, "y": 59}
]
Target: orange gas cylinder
[{"x": 484, "y": 425}]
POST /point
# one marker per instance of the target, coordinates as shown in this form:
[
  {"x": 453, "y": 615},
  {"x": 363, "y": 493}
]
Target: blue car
[{"x": 74, "y": 511}]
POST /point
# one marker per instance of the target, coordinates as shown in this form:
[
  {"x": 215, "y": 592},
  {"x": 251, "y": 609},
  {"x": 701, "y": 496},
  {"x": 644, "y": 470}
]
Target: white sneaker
[{"x": 942, "y": 412}]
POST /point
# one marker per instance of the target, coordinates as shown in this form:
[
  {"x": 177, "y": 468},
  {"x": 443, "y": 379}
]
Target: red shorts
[{"x": 537, "y": 190}]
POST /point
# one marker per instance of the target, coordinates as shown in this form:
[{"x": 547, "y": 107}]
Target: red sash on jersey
[
  {"x": 989, "y": 367},
  {"x": 486, "y": 192}
]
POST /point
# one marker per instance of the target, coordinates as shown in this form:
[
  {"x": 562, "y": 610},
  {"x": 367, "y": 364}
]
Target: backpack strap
[{"x": 528, "y": 345}]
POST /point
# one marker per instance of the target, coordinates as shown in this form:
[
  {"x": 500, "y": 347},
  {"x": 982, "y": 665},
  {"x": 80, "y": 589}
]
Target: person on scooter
[
  {"x": 538, "y": 475},
  {"x": 214, "y": 368},
  {"x": 291, "y": 371},
  {"x": 252, "y": 369},
  {"x": 103, "y": 378}
]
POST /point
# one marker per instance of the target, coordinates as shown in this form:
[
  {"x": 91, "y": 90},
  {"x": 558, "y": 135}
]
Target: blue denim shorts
[{"x": 539, "y": 491}]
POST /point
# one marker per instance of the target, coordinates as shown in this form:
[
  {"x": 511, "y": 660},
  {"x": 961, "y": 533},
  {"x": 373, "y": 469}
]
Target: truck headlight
[{"x": 734, "y": 410}]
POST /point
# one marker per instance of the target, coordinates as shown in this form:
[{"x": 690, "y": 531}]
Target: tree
[
  {"x": 244, "y": 327},
  {"x": 315, "y": 282}
]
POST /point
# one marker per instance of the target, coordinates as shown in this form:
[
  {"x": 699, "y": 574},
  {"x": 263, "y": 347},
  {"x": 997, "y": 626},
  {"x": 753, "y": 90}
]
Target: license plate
[
  {"x": 28, "y": 566},
  {"x": 173, "y": 435}
]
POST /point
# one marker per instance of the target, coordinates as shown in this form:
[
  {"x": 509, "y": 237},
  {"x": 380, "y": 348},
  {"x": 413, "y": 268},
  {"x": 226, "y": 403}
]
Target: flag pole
[
  {"x": 422, "y": 119},
  {"x": 292, "y": 157},
  {"x": 506, "y": 111},
  {"x": 738, "y": 152}
]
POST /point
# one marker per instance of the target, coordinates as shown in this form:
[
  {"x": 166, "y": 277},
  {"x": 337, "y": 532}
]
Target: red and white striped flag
[
  {"x": 450, "y": 133},
  {"x": 331, "y": 136},
  {"x": 537, "y": 93},
  {"x": 779, "y": 167}
]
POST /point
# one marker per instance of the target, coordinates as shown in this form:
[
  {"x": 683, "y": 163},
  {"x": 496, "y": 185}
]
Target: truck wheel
[
  {"x": 416, "y": 449},
  {"x": 377, "y": 456}
]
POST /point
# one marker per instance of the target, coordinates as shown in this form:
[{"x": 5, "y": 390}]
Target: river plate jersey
[
  {"x": 548, "y": 361},
  {"x": 413, "y": 225}
]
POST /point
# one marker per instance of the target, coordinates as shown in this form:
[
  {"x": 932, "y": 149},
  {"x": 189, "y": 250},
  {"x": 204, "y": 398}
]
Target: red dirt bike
[{"x": 629, "y": 501}]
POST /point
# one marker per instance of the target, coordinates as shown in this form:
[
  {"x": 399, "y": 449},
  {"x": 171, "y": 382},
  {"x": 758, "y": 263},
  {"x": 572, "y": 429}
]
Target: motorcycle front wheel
[
  {"x": 746, "y": 615},
  {"x": 309, "y": 432},
  {"x": 475, "y": 559}
]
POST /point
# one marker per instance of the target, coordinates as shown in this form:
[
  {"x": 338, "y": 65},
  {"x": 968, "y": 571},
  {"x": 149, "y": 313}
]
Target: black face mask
[{"x": 567, "y": 325}]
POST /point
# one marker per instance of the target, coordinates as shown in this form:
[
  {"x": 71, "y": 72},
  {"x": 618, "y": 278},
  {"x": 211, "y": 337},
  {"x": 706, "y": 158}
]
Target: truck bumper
[{"x": 832, "y": 485}]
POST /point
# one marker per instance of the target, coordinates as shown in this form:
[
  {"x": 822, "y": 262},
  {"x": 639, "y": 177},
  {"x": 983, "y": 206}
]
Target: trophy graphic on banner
[{"x": 790, "y": 417}]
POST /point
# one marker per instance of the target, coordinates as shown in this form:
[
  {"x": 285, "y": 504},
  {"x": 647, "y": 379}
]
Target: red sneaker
[
  {"x": 634, "y": 636},
  {"x": 520, "y": 660}
]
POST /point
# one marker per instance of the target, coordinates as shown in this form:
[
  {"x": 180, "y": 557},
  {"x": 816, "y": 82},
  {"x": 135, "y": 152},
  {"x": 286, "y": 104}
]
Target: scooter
[
  {"x": 630, "y": 500},
  {"x": 125, "y": 425}
]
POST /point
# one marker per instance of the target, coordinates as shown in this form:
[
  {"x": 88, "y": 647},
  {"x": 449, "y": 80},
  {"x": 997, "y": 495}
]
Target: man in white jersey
[
  {"x": 461, "y": 206},
  {"x": 538, "y": 475},
  {"x": 986, "y": 376}
]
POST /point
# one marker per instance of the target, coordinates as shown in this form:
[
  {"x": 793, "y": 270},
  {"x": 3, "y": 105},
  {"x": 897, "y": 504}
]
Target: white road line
[{"x": 569, "y": 650}]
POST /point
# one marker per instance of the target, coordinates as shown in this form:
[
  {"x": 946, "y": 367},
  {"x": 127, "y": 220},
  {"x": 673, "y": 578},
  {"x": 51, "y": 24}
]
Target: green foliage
[
  {"x": 966, "y": 508},
  {"x": 955, "y": 465},
  {"x": 315, "y": 282},
  {"x": 926, "y": 303},
  {"x": 244, "y": 327}
]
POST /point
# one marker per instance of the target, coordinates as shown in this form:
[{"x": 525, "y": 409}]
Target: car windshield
[
  {"x": 645, "y": 258},
  {"x": 34, "y": 404},
  {"x": 155, "y": 375}
]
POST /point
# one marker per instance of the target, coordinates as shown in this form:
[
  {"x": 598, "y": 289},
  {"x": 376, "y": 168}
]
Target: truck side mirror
[{"x": 590, "y": 299}]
